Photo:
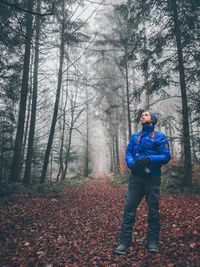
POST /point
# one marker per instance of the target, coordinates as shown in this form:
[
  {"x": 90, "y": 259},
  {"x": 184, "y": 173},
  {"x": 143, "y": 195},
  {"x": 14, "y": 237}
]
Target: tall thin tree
[
  {"x": 86, "y": 169},
  {"x": 56, "y": 104},
  {"x": 186, "y": 132},
  {"x": 17, "y": 156},
  {"x": 27, "y": 174}
]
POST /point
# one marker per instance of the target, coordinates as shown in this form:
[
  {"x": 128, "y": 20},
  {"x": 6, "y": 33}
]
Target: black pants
[{"x": 138, "y": 188}]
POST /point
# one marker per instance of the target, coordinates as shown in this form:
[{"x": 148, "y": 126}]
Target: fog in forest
[{"x": 76, "y": 76}]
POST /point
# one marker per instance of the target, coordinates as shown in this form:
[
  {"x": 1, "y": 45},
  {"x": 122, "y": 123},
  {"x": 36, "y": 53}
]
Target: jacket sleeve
[
  {"x": 130, "y": 159},
  {"x": 163, "y": 152}
]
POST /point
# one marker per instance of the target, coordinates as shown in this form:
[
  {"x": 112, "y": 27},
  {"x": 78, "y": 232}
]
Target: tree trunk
[
  {"x": 116, "y": 141},
  {"x": 170, "y": 138},
  {"x": 62, "y": 125},
  {"x": 186, "y": 133},
  {"x": 117, "y": 152},
  {"x": 2, "y": 154},
  {"x": 134, "y": 101},
  {"x": 55, "y": 113},
  {"x": 27, "y": 174},
  {"x": 27, "y": 120},
  {"x": 145, "y": 71},
  {"x": 62, "y": 134},
  {"x": 114, "y": 156},
  {"x": 110, "y": 147},
  {"x": 68, "y": 152},
  {"x": 195, "y": 159},
  {"x": 128, "y": 101},
  {"x": 51, "y": 167},
  {"x": 198, "y": 138},
  {"x": 124, "y": 121},
  {"x": 17, "y": 157},
  {"x": 73, "y": 107},
  {"x": 86, "y": 171}
]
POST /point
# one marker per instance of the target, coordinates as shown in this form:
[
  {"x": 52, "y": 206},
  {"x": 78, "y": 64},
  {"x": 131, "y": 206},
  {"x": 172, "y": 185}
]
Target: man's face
[{"x": 146, "y": 118}]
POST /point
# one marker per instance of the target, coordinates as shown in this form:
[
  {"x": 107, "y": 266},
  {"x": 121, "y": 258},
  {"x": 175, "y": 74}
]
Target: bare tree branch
[
  {"x": 164, "y": 98},
  {"x": 84, "y": 52},
  {"x": 95, "y": 3},
  {"x": 27, "y": 11},
  {"x": 84, "y": 22}
]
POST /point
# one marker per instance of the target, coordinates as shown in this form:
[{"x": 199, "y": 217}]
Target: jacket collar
[{"x": 148, "y": 128}]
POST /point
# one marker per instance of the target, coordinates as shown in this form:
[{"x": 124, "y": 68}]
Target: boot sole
[
  {"x": 153, "y": 250},
  {"x": 121, "y": 252}
]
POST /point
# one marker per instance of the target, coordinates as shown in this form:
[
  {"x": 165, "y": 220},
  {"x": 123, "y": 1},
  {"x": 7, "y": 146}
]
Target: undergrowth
[
  {"x": 173, "y": 181},
  {"x": 119, "y": 178},
  {"x": 37, "y": 189}
]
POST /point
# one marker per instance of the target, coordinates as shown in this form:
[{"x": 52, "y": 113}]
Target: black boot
[
  {"x": 122, "y": 249},
  {"x": 152, "y": 246}
]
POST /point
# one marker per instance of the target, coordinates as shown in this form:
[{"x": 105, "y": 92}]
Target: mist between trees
[{"x": 76, "y": 75}]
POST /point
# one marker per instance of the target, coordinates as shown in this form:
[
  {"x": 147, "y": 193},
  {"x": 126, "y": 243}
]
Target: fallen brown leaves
[{"x": 81, "y": 228}]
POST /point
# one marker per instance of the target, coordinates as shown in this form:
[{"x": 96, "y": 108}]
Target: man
[{"x": 146, "y": 152}]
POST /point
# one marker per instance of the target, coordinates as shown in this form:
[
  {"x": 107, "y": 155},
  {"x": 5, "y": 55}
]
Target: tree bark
[
  {"x": 27, "y": 174},
  {"x": 186, "y": 132},
  {"x": 17, "y": 156}
]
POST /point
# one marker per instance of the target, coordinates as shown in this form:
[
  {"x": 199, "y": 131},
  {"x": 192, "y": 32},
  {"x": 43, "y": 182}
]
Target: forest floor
[{"x": 81, "y": 228}]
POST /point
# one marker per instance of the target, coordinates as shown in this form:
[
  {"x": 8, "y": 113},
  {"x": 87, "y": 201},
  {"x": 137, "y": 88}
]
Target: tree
[
  {"x": 20, "y": 8},
  {"x": 185, "y": 115},
  {"x": 27, "y": 174},
  {"x": 11, "y": 44},
  {"x": 122, "y": 39},
  {"x": 86, "y": 168},
  {"x": 108, "y": 91},
  {"x": 71, "y": 125},
  {"x": 16, "y": 163},
  {"x": 56, "y": 104}
]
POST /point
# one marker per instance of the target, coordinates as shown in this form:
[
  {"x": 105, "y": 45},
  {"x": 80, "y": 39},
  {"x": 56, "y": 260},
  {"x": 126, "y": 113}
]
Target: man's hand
[{"x": 141, "y": 164}]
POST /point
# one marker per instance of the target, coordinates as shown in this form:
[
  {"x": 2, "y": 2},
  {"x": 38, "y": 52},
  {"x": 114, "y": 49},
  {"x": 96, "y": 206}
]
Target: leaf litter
[{"x": 81, "y": 228}]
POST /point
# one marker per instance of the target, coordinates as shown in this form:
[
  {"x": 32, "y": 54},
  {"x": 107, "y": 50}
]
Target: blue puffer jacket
[{"x": 157, "y": 149}]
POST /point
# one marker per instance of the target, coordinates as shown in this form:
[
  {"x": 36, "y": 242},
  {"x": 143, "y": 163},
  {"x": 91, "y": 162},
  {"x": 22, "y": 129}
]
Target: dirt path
[
  {"x": 101, "y": 178},
  {"x": 81, "y": 228}
]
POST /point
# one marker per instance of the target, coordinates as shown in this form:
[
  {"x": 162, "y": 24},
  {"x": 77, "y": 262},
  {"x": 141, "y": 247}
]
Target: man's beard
[{"x": 147, "y": 123}]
